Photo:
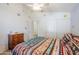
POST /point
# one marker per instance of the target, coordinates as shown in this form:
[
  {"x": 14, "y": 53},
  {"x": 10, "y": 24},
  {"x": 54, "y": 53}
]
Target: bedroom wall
[
  {"x": 75, "y": 20},
  {"x": 54, "y": 23},
  {"x": 13, "y": 18}
]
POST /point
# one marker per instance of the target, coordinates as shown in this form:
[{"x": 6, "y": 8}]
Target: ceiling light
[{"x": 36, "y": 6}]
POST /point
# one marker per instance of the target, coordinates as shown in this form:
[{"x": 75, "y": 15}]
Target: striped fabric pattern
[{"x": 68, "y": 45}]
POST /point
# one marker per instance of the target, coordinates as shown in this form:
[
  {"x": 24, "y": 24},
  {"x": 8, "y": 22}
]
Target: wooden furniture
[{"x": 14, "y": 39}]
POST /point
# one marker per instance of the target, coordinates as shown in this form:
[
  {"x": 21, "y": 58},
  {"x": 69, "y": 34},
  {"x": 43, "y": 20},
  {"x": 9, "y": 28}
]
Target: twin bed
[{"x": 68, "y": 45}]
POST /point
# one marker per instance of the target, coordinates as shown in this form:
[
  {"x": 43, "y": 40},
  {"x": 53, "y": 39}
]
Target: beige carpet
[{"x": 6, "y": 53}]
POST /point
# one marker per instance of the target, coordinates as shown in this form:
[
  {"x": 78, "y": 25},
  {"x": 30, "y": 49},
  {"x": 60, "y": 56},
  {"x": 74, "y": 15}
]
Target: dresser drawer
[{"x": 15, "y": 39}]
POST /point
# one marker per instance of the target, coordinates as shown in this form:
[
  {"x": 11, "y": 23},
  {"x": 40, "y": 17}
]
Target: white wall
[
  {"x": 75, "y": 20},
  {"x": 11, "y": 22},
  {"x": 52, "y": 22}
]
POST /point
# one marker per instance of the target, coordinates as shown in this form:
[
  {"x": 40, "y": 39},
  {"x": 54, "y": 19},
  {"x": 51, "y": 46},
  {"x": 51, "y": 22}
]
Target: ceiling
[{"x": 55, "y": 7}]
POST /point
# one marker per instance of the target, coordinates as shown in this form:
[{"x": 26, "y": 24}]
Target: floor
[{"x": 8, "y": 52}]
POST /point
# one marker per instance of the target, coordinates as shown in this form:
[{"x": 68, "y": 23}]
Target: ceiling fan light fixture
[{"x": 36, "y": 6}]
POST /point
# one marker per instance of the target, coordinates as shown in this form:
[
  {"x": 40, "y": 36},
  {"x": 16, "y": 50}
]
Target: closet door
[
  {"x": 55, "y": 24},
  {"x": 63, "y": 24}
]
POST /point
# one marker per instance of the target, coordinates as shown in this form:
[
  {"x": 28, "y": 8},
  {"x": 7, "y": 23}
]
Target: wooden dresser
[{"x": 14, "y": 39}]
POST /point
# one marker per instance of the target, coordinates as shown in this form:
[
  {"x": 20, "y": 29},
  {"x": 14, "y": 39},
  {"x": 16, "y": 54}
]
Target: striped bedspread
[{"x": 68, "y": 45}]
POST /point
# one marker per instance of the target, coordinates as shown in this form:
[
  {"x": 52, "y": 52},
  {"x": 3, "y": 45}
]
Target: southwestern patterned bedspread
[{"x": 68, "y": 45}]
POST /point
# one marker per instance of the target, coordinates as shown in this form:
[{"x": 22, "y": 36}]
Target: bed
[{"x": 68, "y": 45}]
